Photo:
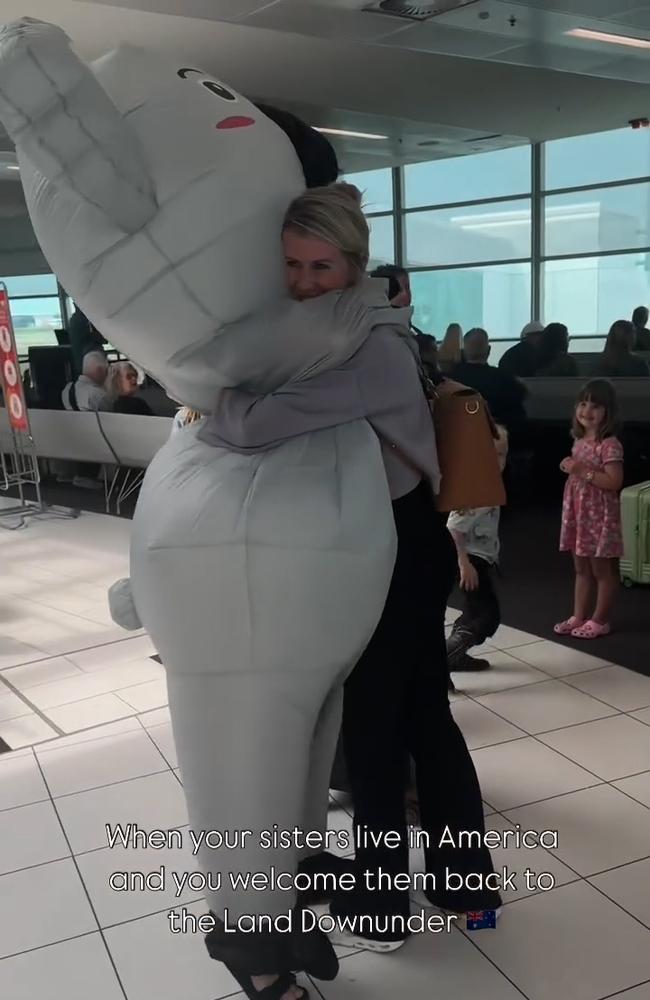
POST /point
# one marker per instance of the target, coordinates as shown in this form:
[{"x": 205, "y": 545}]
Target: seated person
[
  {"x": 617, "y": 360},
  {"x": 123, "y": 388},
  {"x": 89, "y": 392},
  {"x": 553, "y": 358},
  {"x": 450, "y": 351},
  {"x": 641, "y": 332},
  {"x": 83, "y": 338},
  {"x": 503, "y": 394},
  {"x": 520, "y": 359}
]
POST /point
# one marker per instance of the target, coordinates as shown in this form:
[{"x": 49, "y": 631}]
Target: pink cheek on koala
[{"x": 236, "y": 121}]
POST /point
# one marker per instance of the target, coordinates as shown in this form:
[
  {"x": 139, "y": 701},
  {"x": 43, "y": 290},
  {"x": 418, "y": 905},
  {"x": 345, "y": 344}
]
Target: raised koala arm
[{"x": 66, "y": 126}]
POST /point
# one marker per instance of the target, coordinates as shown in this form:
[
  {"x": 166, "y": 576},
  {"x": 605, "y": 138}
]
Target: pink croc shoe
[
  {"x": 567, "y": 627},
  {"x": 591, "y": 630}
]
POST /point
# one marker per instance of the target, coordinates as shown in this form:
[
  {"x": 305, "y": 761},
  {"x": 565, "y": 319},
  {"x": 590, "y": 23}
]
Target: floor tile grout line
[
  {"x": 33, "y": 710},
  {"x": 50, "y": 944},
  {"x": 69, "y": 652},
  {"x": 90, "y": 729},
  {"x": 626, "y": 989},
  {"x": 83, "y": 673},
  {"x": 607, "y": 781},
  {"x": 544, "y": 732},
  {"x": 109, "y": 784},
  {"x": 85, "y": 887},
  {"x": 475, "y": 944},
  {"x": 619, "y": 905}
]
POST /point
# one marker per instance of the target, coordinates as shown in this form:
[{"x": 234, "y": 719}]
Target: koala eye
[
  {"x": 215, "y": 88},
  {"x": 218, "y": 90}
]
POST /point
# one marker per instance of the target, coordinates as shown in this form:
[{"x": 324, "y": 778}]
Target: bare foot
[{"x": 293, "y": 993}]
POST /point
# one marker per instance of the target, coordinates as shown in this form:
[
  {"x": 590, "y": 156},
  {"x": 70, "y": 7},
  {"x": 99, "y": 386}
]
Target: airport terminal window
[
  {"x": 31, "y": 285},
  {"x": 35, "y": 309},
  {"x": 597, "y": 220},
  {"x": 597, "y": 159},
  {"x": 589, "y": 293},
  {"x": 376, "y": 187},
  {"x": 382, "y": 240},
  {"x": 501, "y": 173},
  {"x": 474, "y": 233},
  {"x": 495, "y": 297}
]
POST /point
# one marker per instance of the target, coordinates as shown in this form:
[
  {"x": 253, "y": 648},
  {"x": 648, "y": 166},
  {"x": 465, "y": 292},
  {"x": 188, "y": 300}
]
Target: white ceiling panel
[
  {"x": 449, "y": 40},
  {"x": 635, "y": 19},
  {"x": 590, "y": 8},
  {"x": 555, "y": 57},
  {"x": 325, "y": 20},
  {"x": 209, "y": 10}
]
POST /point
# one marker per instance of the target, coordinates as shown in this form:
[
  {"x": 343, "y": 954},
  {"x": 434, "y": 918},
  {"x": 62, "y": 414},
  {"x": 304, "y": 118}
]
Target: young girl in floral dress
[{"x": 591, "y": 515}]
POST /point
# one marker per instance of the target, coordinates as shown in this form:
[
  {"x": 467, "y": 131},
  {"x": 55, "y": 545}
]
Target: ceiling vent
[{"x": 417, "y": 10}]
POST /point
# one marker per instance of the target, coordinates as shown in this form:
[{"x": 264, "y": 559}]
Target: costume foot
[
  {"x": 272, "y": 987},
  {"x": 567, "y": 627},
  {"x": 591, "y": 630},
  {"x": 469, "y": 664}
]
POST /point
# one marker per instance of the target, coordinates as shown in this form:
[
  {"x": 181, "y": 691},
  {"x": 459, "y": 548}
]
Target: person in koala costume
[{"x": 260, "y": 568}]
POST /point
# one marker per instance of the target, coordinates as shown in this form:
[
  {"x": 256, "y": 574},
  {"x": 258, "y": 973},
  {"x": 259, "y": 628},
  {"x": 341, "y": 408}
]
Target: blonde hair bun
[{"x": 350, "y": 191}]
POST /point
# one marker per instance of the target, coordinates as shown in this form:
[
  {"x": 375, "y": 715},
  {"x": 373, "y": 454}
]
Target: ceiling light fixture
[
  {"x": 352, "y": 135},
  {"x": 11, "y": 166},
  {"x": 609, "y": 37}
]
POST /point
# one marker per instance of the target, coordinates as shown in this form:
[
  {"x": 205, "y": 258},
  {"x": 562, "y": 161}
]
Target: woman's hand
[
  {"x": 568, "y": 465},
  {"x": 468, "y": 575}
]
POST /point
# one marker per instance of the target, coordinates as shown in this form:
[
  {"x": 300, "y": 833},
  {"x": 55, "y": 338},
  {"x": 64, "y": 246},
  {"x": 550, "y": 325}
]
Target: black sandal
[
  {"x": 273, "y": 992},
  {"x": 246, "y": 955}
]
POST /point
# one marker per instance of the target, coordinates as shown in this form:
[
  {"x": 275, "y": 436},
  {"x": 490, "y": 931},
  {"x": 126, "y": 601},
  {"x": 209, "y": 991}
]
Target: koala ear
[
  {"x": 67, "y": 128},
  {"x": 315, "y": 152}
]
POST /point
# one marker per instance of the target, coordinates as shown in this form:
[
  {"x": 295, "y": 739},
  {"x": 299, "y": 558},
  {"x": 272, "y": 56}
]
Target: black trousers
[
  {"x": 481, "y": 615},
  {"x": 396, "y": 703}
]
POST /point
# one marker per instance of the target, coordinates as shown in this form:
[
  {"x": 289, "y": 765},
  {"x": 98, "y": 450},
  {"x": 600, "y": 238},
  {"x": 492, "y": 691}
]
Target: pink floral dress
[{"x": 591, "y": 517}]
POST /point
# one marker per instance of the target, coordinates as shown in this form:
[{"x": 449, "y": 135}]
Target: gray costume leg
[
  {"x": 249, "y": 772},
  {"x": 321, "y": 758}
]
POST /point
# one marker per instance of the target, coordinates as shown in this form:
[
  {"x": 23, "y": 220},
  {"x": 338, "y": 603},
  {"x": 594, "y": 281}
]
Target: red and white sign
[{"x": 12, "y": 386}]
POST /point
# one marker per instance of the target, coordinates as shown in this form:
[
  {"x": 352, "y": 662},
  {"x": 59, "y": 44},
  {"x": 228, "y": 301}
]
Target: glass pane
[
  {"x": 376, "y": 187},
  {"x": 382, "y": 241},
  {"x": 496, "y": 298},
  {"x": 31, "y": 284},
  {"x": 597, "y": 220},
  {"x": 588, "y": 294},
  {"x": 595, "y": 159},
  {"x": 468, "y": 178},
  {"x": 35, "y": 321},
  {"x": 464, "y": 235}
]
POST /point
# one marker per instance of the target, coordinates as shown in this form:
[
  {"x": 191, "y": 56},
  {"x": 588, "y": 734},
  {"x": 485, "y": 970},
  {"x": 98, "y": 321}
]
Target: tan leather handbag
[{"x": 465, "y": 437}]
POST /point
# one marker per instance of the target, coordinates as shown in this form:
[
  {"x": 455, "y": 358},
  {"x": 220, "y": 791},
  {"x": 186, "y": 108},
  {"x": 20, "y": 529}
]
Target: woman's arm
[
  {"x": 380, "y": 380},
  {"x": 249, "y": 422}
]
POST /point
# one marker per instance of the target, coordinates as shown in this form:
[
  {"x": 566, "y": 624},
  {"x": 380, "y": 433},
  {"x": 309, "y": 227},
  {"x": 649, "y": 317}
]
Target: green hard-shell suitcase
[{"x": 635, "y": 518}]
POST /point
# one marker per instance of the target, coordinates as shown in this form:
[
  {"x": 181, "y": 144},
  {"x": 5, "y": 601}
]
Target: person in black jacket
[
  {"x": 553, "y": 358},
  {"x": 503, "y": 394},
  {"x": 520, "y": 360}
]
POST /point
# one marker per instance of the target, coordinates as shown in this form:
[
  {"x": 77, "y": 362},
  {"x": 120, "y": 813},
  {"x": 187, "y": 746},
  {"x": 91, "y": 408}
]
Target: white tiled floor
[{"x": 561, "y": 741}]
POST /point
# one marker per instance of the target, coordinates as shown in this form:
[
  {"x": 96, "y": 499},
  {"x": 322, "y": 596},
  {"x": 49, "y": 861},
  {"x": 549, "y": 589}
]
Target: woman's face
[
  {"x": 128, "y": 382},
  {"x": 313, "y": 267}
]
